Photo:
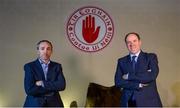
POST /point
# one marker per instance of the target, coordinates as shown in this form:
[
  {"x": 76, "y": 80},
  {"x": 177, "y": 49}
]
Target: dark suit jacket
[
  {"x": 36, "y": 95},
  {"x": 146, "y": 72}
]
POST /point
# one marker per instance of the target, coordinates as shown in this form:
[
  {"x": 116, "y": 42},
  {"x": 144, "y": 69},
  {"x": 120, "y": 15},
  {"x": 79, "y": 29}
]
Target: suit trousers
[{"x": 132, "y": 101}]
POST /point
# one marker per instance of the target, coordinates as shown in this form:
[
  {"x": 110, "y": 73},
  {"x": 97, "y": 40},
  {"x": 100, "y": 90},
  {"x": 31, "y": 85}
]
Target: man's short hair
[
  {"x": 41, "y": 41},
  {"x": 137, "y": 35}
]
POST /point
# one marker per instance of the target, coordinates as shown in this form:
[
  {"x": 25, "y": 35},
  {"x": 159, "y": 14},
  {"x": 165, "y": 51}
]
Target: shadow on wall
[
  {"x": 102, "y": 96},
  {"x": 176, "y": 92},
  {"x": 77, "y": 82},
  {"x": 73, "y": 104}
]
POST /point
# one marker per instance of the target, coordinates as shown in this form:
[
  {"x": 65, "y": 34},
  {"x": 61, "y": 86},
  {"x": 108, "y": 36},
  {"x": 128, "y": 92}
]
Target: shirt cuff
[{"x": 140, "y": 85}]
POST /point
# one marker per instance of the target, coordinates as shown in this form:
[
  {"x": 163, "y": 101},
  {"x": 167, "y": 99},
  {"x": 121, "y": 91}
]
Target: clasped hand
[
  {"x": 141, "y": 85},
  {"x": 39, "y": 83},
  {"x": 125, "y": 76}
]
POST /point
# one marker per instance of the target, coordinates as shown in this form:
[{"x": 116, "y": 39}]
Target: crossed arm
[
  {"x": 139, "y": 80},
  {"x": 40, "y": 87}
]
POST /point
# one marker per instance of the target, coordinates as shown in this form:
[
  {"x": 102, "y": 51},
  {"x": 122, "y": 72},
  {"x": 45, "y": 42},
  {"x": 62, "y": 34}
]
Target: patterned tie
[{"x": 134, "y": 63}]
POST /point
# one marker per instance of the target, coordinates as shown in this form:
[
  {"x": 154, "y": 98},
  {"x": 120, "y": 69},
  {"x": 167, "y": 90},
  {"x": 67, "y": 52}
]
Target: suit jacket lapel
[
  {"x": 140, "y": 61},
  {"x": 49, "y": 69},
  {"x": 128, "y": 63},
  {"x": 40, "y": 72}
]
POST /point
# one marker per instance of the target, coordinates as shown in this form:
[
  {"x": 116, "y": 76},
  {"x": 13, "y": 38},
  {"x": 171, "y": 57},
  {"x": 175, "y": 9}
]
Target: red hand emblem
[{"x": 89, "y": 32}]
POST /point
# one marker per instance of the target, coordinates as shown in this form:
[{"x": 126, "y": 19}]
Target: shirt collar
[
  {"x": 42, "y": 62},
  {"x": 137, "y": 54}
]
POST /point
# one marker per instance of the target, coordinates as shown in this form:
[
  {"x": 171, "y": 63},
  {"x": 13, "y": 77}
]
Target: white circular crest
[{"x": 90, "y": 29}]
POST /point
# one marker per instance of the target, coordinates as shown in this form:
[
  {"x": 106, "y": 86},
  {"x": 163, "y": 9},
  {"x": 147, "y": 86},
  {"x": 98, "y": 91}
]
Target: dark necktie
[{"x": 134, "y": 63}]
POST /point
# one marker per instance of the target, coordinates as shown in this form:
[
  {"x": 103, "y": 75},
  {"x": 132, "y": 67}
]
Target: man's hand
[
  {"x": 39, "y": 83},
  {"x": 142, "y": 85},
  {"x": 125, "y": 76},
  {"x": 89, "y": 31}
]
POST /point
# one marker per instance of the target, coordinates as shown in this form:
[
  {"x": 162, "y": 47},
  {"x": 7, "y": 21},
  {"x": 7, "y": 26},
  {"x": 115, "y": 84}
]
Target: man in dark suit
[
  {"x": 43, "y": 79},
  {"x": 136, "y": 74}
]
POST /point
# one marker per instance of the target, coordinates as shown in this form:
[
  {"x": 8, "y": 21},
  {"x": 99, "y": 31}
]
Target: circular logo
[{"x": 90, "y": 29}]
